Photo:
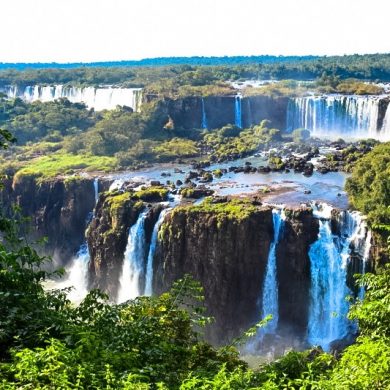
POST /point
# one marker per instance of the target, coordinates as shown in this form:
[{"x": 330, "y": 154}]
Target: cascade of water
[
  {"x": 270, "y": 288},
  {"x": 104, "y": 98},
  {"x": 386, "y": 124},
  {"x": 204, "y": 117},
  {"x": 337, "y": 115},
  {"x": 133, "y": 263},
  {"x": 152, "y": 249},
  {"x": 329, "y": 257},
  {"x": 77, "y": 275},
  {"x": 77, "y": 272},
  {"x": 96, "y": 189},
  {"x": 237, "y": 111}
]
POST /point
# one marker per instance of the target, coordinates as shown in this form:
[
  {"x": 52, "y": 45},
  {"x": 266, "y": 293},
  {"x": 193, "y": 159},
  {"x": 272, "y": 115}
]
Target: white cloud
[{"x": 96, "y": 30}]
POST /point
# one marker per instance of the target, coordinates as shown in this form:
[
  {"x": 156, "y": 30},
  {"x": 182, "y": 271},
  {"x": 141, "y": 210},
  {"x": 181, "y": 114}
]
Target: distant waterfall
[
  {"x": 102, "y": 98},
  {"x": 133, "y": 263},
  {"x": 338, "y": 116},
  {"x": 152, "y": 249},
  {"x": 237, "y": 112},
  {"x": 329, "y": 257},
  {"x": 270, "y": 289},
  {"x": 204, "y": 117}
]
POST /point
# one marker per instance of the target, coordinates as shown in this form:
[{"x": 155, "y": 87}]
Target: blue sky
[{"x": 98, "y": 30}]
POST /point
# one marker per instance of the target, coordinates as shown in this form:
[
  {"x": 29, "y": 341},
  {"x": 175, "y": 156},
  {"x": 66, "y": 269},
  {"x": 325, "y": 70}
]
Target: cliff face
[
  {"x": 228, "y": 256},
  {"x": 107, "y": 237},
  {"x": 58, "y": 210},
  {"x": 186, "y": 113},
  {"x": 293, "y": 265}
]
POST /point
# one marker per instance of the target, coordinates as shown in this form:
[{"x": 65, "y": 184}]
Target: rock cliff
[
  {"x": 186, "y": 112},
  {"x": 58, "y": 209},
  {"x": 107, "y": 237}
]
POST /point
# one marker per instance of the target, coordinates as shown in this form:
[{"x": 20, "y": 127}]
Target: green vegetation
[
  {"x": 369, "y": 186},
  {"x": 287, "y": 88},
  {"x": 66, "y": 164},
  {"x": 176, "y": 148},
  {"x": 192, "y": 71},
  {"x": 231, "y": 141},
  {"x": 152, "y": 194},
  {"x": 331, "y": 83},
  {"x": 235, "y": 209},
  {"x": 300, "y": 135}
]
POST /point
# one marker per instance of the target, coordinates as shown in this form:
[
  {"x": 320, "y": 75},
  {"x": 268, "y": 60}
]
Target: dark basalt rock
[
  {"x": 58, "y": 208},
  {"x": 186, "y": 112},
  {"x": 107, "y": 238},
  {"x": 227, "y": 256},
  {"x": 293, "y": 264}
]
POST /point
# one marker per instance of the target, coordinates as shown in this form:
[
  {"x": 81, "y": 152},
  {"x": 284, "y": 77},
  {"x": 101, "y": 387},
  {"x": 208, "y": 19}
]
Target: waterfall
[
  {"x": 237, "y": 112},
  {"x": 270, "y": 288},
  {"x": 101, "y": 98},
  {"x": 77, "y": 272},
  {"x": 386, "y": 124},
  {"x": 133, "y": 263},
  {"x": 329, "y": 258},
  {"x": 77, "y": 275},
  {"x": 204, "y": 117},
  {"x": 152, "y": 249},
  {"x": 96, "y": 189},
  {"x": 358, "y": 240},
  {"x": 337, "y": 116}
]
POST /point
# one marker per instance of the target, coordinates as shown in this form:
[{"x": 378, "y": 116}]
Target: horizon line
[{"x": 303, "y": 56}]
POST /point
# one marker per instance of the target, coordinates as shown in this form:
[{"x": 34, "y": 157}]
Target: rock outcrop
[
  {"x": 107, "y": 237},
  {"x": 226, "y": 253},
  {"x": 58, "y": 209},
  {"x": 186, "y": 112},
  {"x": 293, "y": 265},
  {"x": 229, "y": 257}
]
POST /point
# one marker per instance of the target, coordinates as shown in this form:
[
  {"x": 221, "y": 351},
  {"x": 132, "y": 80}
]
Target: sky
[{"x": 110, "y": 30}]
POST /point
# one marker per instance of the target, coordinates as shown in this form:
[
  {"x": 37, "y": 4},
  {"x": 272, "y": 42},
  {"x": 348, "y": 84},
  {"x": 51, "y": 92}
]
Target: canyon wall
[{"x": 58, "y": 210}]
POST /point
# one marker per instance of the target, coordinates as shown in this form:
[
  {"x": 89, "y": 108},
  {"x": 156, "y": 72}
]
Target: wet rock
[{"x": 192, "y": 175}]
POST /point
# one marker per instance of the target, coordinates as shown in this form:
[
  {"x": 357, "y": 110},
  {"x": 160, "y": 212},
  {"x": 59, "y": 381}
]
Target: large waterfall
[
  {"x": 238, "y": 111},
  {"x": 329, "y": 258},
  {"x": 98, "y": 98},
  {"x": 339, "y": 116},
  {"x": 133, "y": 263},
  {"x": 270, "y": 288},
  {"x": 204, "y": 117}
]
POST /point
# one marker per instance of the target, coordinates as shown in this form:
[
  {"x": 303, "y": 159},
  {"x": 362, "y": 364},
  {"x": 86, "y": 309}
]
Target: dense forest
[{"x": 201, "y": 70}]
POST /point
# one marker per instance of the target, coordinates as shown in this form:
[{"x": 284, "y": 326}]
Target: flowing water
[
  {"x": 329, "y": 259},
  {"x": 76, "y": 273},
  {"x": 106, "y": 98},
  {"x": 204, "y": 117},
  {"x": 270, "y": 303},
  {"x": 339, "y": 116},
  {"x": 152, "y": 249},
  {"x": 133, "y": 263},
  {"x": 237, "y": 111}
]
